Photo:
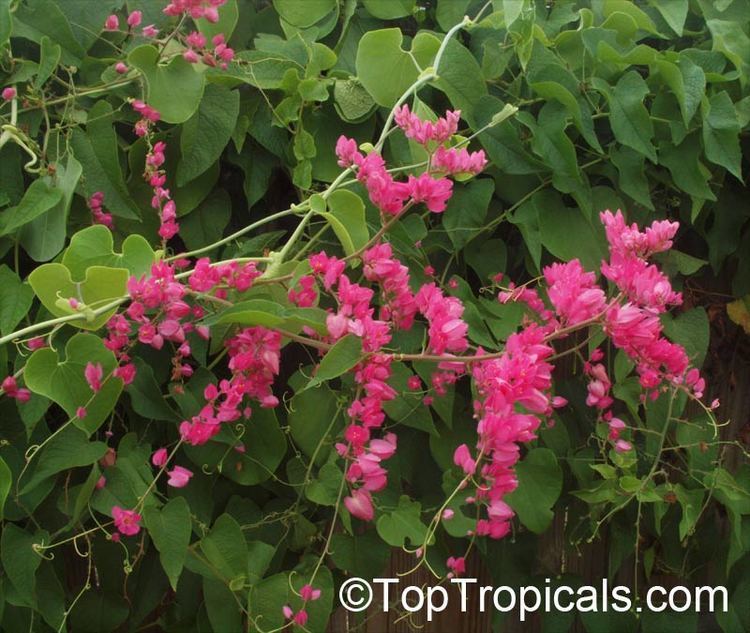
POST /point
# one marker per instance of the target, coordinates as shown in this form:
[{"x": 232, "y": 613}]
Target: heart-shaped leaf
[
  {"x": 65, "y": 383},
  {"x": 52, "y": 282},
  {"x": 94, "y": 246},
  {"x": 166, "y": 82}
]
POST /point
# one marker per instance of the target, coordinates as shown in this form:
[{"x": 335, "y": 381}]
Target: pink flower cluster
[
  {"x": 254, "y": 362},
  {"x": 11, "y": 389},
  {"x": 197, "y": 51},
  {"x": 365, "y": 456},
  {"x": 218, "y": 278},
  {"x": 112, "y": 23},
  {"x": 458, "y": 161},
  {"x": 308, "y": 594},
  {"x": 208, "y": 9},
  {"x": 635, "y": 326},
  {"x": 149, "y": 117},
  {"x": 162, "y": 199},
  {"x": 447, "y": 329},
  {"x": 427, "y": 132},
  {"x": 99, "y": 215},
  {"x": 513, "y": 392},
  {"x": 159, "y": 312},
  {"x": 397, "y": 300},
  {"x": 573, "y": 292},
  {"x": 387, "y": 194}
]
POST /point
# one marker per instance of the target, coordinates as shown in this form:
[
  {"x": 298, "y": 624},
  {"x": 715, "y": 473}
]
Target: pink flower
[
  {"x": 121, "y": 68},
  {"x": 11, "y": 389},
  {"x": 112, "y": 23},
  {"x": 307, "y": 593},
  {"x": 414, "y": 383},
  {"x": 36, "y": 343},
  {"x": 456, "y": 565},
  {"x": 434, "y": 192},
  {"x": 573, "y": 292},
  {"x": 359, "y": 505},
  {"x": 621, "y": 446},
  {"x": 347, "y": 152},
  {"x": 81, "y": 413},
  {"x": 179, "y": 477},
  {"x": 159, "y": 458},
  {"x": 426, "y": 132},
  {"x": 127, "y": 522},
  {"x": 9, "y": 93},
  {"x": 462, "y": 458},
  {"x": 300, "y": 619},
  {"x": 101, "y": 482},
  {"x": 134, "y": 19},
  {"x": 458, "y": 161},
  {"x": 448, "y": 514},
  {"x": 94, "y": 374},
  {"x": 150, "y": 31}
]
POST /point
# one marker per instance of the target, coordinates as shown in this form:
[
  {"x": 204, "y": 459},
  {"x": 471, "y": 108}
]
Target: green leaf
[
  {"x": 691, "y": 502},
  {"x": 389, "y": 9},
  {"x": 101, "y": 285},
  {"x": 225, "y": 548},
  {"x": 629, "y": 118},
  {"x": 539, "y": 486},
  {"x": 170, "y": 528},
  {"x": 385, "y": 69},
  {"x": 19, "y": 560},
  {"x": 39, "y": 198},
  {"x": 690, "y": 329},
  {"x": 228, "y": 16},
  {"x": 36, "y": 19},
  {"x": 631, "y": 174},
  {"x": 6, "y": 22},
  {"x": 146, "y": 397},
  {"x": 721, "y": 133},
  {"x": 353, "y": 103},
  {"x": 730, "y": 38},
  {"x": 165, "y": 82},
  {"x": 558, "y": 222},
  {"x": 15, "y": 300},
  {"x": 94, "y": 246},
  {"x": 265, "y": 447},
  {"x": 207, "y": 132},
  {"x": 460, "y": 78},
  {"x": 303, "y": 14},
  {"x": 65, "y": 383},
  {"x": 44, "y": 237},
  {"x": 68, "y": 449},
  {"x": 402, "y": 524},
  {"x": 688, "y": 83},
  {"x": 466, "y": 211},
  {"x": 273, "y": 315},
  {"x": 49, "y": 58},
  {"x": 324, "y": 489},
  {"x": 313, "y": 419},
  {"x": 364, "y": 555},
  {"x": 221, "y": 606},
  {"x": 347, "y": 219},
  {"x": 97, "y": 151},
  {"x": 674, "y": 13},
  {"x": 344, "y": 355},
  {"x": 685, "y": 167},
  {"x": 98, "y": 612},
  {"x": 205, "y": 224},
  {"x": 5, "y": 479}
]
